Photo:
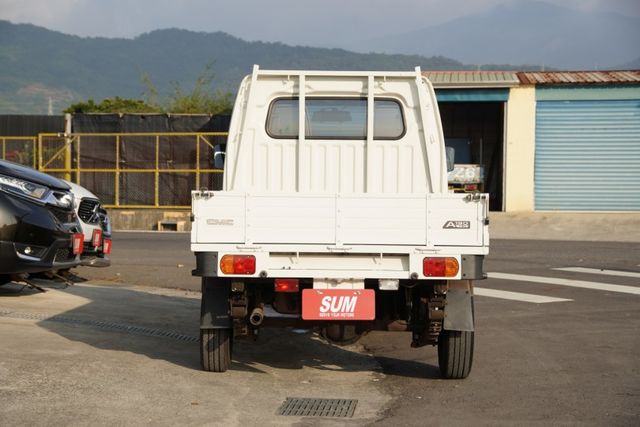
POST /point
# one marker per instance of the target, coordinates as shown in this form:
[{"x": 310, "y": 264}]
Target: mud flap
[
  {"x": 458, "y": 311},
  {"x": 215, "y": 311}
]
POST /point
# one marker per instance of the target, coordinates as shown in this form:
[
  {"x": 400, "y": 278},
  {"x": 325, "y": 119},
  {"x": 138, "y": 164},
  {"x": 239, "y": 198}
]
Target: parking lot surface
[
  {"x": 556, "y": 344},
  {"x": 94, "y": 355}
]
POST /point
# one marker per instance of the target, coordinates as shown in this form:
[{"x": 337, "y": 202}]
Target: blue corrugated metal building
[{"x": 587, "y": 142}]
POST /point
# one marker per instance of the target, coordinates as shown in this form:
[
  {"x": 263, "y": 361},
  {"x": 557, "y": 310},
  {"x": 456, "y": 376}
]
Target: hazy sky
[{"x": 310, "y": 22}]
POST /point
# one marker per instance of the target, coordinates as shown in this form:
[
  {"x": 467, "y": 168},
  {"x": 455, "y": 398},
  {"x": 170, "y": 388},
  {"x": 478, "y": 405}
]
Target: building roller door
[{"x": 587, "y": 155}]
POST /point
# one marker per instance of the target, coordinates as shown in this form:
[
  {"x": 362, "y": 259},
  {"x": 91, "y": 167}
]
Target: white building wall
[{"x": 520, "y": 149}]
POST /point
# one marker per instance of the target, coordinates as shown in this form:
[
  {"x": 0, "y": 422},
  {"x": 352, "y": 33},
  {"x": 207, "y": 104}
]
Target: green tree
[
  {"x": 113, "y": 105},
  {"x": 202, "y": 99}
]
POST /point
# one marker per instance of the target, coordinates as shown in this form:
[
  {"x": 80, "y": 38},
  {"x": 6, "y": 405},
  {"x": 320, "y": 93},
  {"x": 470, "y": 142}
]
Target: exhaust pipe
[{"x": 257, "y": 316}]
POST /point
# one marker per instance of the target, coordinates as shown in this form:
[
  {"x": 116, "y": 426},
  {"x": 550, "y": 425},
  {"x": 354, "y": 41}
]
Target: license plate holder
[{"x": 338, "y": 304}]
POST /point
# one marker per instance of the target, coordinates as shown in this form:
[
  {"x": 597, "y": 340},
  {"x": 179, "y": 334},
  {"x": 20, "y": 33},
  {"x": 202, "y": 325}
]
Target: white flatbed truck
[{"x": 335, "y": 214}]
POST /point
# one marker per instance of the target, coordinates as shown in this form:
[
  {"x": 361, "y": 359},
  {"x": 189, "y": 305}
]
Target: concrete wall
[
  {"x": 520, "y": 149},
  {"x": 150, "y": 219}
]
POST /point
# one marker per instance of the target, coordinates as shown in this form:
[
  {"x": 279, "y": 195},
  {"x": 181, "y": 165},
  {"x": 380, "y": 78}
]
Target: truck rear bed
[
  {"x": 339, "y": 235},
  {"x": 360, "y": 219}
]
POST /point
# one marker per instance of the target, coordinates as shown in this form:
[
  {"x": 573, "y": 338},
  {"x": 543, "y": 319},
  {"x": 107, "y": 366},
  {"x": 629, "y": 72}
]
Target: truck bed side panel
[
  {"x": 385, "y": 220},
  {"x": 287, "y": 219},
  {"x": 219, "y": 218},
  {"x": 454, "y": 221},
  {"x": 361, "y": 219}
]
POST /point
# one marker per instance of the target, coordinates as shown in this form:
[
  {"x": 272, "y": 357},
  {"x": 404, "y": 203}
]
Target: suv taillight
[{"x": 238, "y": 264}]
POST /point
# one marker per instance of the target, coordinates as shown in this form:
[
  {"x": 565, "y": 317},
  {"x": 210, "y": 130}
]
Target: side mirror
[
  {"x": 218, "y": 157},
  {"x": 451, "y": 154}
]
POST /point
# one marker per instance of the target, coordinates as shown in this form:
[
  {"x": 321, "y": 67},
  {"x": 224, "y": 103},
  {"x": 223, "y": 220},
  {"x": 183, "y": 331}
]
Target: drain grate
[
  {"x": 308, "y": 407},
  {"x": 100, "y": 324}
]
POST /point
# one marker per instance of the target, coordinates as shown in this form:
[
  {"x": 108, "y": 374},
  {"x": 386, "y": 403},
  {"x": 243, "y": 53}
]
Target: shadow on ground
[{"x": 274, "y": 348}]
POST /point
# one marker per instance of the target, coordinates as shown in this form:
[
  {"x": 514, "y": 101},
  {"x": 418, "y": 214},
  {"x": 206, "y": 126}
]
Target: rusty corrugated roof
[
  {"x": 579, "y": 77},
  {"x": 472, "y": 79}
]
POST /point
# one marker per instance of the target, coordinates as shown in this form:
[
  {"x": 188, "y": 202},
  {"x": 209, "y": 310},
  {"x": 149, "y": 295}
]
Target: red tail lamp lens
[
  {"x": 78, "y": 243},
  {"x": 238, "y": 264},
  {"x": 440, "y": 267},
  {"x": 96, "y": 238},
  {"x": 287, "y": 285},
  {"x": 106, "y": 246}
]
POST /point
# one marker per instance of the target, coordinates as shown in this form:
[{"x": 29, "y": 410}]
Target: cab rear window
[{"x": 335, "y": 118}]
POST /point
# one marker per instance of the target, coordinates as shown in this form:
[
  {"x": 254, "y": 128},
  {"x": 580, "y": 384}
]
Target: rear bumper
[{"x": 341, "y": 266}]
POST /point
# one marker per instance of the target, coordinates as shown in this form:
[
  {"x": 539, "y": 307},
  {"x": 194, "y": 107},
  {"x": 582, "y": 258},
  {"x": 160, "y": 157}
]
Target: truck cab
[{"x": 335, "y": 213}]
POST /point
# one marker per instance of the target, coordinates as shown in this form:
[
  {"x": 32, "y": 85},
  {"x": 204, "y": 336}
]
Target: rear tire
[
  {"x": 215, "y": 349},
  {"x": 455, "y": 353}
]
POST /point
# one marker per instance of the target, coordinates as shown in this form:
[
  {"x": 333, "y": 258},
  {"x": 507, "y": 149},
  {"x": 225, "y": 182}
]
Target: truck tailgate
[{"x": 339, "y": 219}]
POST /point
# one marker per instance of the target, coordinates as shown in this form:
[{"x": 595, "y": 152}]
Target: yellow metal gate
[
  {"x": 19, "y": 149},
  {"x": 135, "y": 170}
]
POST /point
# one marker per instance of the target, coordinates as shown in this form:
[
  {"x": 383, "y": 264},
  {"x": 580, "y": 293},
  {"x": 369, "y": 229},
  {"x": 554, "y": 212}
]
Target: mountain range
[
  {"x": 524, "y": 33},
  {"x": 43, "y": 70}
]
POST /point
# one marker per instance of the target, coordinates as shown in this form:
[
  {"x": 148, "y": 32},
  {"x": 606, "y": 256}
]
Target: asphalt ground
[{"x": 122, "y": 350}]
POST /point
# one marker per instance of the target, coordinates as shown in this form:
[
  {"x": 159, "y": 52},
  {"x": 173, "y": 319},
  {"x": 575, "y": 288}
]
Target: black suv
[{"x": 39, "y": 230}]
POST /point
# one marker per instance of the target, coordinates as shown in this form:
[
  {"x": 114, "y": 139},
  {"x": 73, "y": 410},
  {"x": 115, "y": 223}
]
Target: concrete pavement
[
  {"x": 87, "y": 355},
  {"x": 574, "y": 226},
  {"x": 127, "y": 355}
]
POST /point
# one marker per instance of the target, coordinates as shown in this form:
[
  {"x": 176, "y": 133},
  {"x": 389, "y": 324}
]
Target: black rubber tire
[
  {"x": 215, "y": 349},
  {"x": 455, "y": 354}
]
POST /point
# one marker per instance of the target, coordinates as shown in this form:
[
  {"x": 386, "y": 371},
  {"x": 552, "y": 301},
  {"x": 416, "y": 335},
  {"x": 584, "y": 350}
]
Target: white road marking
[
  {"x": 516, "y": 296},
  {"x": 567, "y": 282},
  {"x": 599, "y": 271}
]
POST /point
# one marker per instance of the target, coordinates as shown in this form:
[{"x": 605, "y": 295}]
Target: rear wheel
[
  {"x": 215, "y": 349},
  {"x": 455, "y": 353}
]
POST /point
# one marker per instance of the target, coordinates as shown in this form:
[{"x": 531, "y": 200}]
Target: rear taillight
[
  {"x": 287, "y": 285},
  {"x": 440, "y": 267},
  {"x": 238, "y": 264},
  {"x": 106, "y": 246},
  {"x": 96, "y": 238},
  {"x": 78, "y": 243}
]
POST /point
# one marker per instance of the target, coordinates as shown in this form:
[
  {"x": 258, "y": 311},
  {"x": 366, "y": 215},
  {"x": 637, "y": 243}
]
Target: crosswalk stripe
[
  {"x": 599, "y": 271},
  {"x": 567, "y": 282},
  {"x": 516, "y": 296}
]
